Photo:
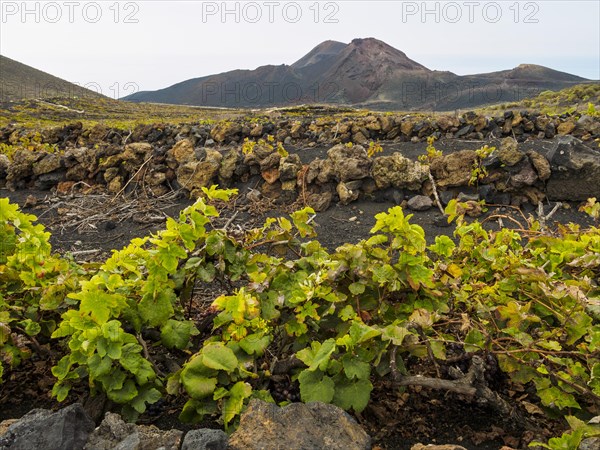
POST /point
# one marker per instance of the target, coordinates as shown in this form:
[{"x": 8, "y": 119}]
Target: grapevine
[{"x": 336, "y": 323}]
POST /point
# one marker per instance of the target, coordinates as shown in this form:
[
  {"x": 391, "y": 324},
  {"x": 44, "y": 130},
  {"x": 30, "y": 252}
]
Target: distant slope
[
  {"x": 532, "y": 72},
  {"x": 445, "y": 91},
  {"x": 261, "y": 87},
  {"x": 19, "y": 81},
  {"x": 576, "y": 98},
  {"x": 365, "y": 73}
]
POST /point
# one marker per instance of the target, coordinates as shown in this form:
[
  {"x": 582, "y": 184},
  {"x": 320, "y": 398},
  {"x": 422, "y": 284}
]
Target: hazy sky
[{"x": 146, "y": 45}]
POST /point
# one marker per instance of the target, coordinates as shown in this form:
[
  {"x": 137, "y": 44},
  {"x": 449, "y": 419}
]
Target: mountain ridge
[{"x": 366, "y": 72}]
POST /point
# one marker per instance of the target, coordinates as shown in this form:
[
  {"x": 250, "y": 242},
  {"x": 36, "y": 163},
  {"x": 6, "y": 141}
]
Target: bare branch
[
  {"x": 472, "y": 384},
  {"x": 147, "y": 356},
  {"x": 545, "y": 218},
  {"x": 419, "y": 330},
  {"x": 131, "y": 179},
  {"x": 437, "y": 383},
  {"x": 435, "y": 193}
]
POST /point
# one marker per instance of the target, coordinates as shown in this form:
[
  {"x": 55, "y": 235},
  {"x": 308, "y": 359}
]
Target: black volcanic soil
[{"x": 395, "y": 419}]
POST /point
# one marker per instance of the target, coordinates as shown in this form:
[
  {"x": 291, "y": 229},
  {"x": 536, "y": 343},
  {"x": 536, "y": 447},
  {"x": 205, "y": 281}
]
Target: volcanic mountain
[
  {"x": 365, "y": 73},
  {"x": 19, "y": 81}
]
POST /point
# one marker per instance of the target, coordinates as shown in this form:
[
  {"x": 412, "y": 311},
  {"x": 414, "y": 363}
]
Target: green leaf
[
  {"x": 395, "y": 333},
  {"x": 419, "y": 275},
  {"x": 174, "y": 383},
  {"x": 589, "y": 429},
  {"x": 206, "y": 273},
  {"x": 188, "y": 412},
  {"x": 215, "y": 193},
  {"x": 214, "y": 244},
  {"x": 519, "y": 373},
  {"x": 101, "y": 346},
  {"x": 361, "y": 332},
  {"x": 357, "y": 288},
  {"x": 5, "y": 329},
  {"x": 194, "y": 410},
  {"x": 242, "y": 305},
  {"x": 113, "y": 380},
  {"x": 132, "y": 360},
  {"x": 114, "y": 350},
  {"x": 216, "y": 356},
  {"x": 568, "y": 441},
  {"x": 295, "y": 328},
  {"x": 71, "y": 323},
  {"x": 383, "y": 274},
  {"x": 316, "y": 387},
  {"x": 594, "y": 382},
  {"x": 112, "y": 331},
  {"x": 177, "y": 334},
  {"x": 444, "y": 246},
  {"x": 578, "y": 326},
  {"x": 31, "y": 328},
  {"x": 521, "y": 337},
  {"x": 197, "y": 386},
  {"x": 555, "y": 397},
  {"x": 62, "y": 367},
  {"x": 193, "y": 263},
  {"x": 123, "y": 395},
  {"x": 474, "y": 340},
  {"x": 550, "y": 345},
  {"x": 156, "y": 307},
  {"x": 438, "y": 349},
  {"x": 98, "y": 304},
  {"x": 353, "y": 394},
  {"x": 378, "y": 239},
  {"x": 169, "y": 262},
  {"x": 99, "y": 366},
  {"x": 147, "y": 396},
  {"x": 354, "y": 367},
  {"x": 220, "y": 393},
  {"x": 263, "y": 395},
  {"x": 255, "y": 343},
  {"x": 317, "y": 356},
  {"x": 60, "y": 391},
  {"x": 285, "y": 224},
  {"x": 347, "y": 313},
  {"x": 234, "y": 404},
  {"x": 301, "y": 221}
]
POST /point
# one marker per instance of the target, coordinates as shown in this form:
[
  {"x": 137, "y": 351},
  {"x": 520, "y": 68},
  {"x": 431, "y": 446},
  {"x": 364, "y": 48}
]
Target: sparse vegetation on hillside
[
  {"x": 576, "y": 98},
  {"x": 112, "y": 113},
  {"x": 126, "y": 115}
]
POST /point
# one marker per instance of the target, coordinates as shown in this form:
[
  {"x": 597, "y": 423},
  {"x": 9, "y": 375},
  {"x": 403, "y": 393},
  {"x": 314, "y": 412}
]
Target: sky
[{"x": 119, "y": 47}]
